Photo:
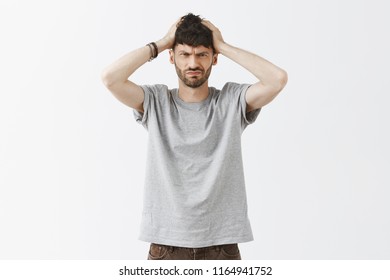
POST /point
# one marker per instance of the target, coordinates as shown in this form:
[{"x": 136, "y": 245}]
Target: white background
[{"x": 72, "y": 157}]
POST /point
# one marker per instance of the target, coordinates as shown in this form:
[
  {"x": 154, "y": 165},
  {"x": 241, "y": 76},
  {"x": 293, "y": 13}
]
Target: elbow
[
  {"x": 106, "y": 78},
  {"x": 279, "y": 82},
  {"x": 282, "y": 79}
]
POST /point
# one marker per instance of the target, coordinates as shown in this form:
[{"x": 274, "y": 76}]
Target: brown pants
[{"x": 220, "y": 252}]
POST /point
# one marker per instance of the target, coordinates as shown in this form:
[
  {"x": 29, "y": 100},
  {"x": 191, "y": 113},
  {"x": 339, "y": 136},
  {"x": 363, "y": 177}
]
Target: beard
[{"x": 193, "y": 82}]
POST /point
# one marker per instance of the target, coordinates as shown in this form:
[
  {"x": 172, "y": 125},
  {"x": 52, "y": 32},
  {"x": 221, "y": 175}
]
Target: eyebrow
[{"x": 200, "y": 53}]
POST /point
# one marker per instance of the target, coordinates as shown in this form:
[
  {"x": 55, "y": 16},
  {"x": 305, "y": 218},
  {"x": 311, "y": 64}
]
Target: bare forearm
[
  {"x": 121, "y": 69},
  {"x": 262, "y": 69},
  {"x": 124, "y": 67}
]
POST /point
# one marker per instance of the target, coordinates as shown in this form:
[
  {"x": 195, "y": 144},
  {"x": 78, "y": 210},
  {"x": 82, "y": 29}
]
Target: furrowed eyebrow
[{"x": 189, "y": 53}]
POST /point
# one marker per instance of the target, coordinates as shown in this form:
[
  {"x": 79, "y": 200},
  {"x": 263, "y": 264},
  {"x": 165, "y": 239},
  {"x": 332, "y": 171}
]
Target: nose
[{"x": 193, "y": 62}]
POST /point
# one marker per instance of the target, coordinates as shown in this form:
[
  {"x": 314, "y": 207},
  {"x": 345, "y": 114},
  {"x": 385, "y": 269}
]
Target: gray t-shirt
[{"x": 194, "y": 192}]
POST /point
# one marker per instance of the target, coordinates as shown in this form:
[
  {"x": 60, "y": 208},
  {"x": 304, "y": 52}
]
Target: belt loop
[
  {"x": 218, "y": 248},
  {"x": 171, "y": 249}
]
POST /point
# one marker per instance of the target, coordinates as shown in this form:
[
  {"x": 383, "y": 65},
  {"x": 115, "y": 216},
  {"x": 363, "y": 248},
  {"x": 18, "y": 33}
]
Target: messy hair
[{"x": 190, "y": 31}]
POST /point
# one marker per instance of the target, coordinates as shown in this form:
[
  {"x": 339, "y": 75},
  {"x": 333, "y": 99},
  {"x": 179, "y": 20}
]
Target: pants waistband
[{"x": 198, "y": 249}]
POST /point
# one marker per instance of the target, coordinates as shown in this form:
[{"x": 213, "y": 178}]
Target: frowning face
[{"x": 193, "y": 64}]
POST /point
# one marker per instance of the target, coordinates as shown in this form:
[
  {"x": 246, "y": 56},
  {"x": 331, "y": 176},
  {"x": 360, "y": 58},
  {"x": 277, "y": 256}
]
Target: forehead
[{"x": 191, "y": 49}]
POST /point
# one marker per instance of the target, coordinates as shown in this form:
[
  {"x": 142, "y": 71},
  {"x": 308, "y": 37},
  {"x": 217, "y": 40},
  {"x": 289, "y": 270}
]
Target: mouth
[{"x": 193, "y": 73}]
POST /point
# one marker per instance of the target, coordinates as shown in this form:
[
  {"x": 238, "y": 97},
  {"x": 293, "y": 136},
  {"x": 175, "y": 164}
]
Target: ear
[
  {"x": 172, "y": 56},
  {"x": 215, "y": 59}
]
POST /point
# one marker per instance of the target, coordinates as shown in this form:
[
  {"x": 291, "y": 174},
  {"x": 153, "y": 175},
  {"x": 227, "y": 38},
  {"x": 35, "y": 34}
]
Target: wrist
[
  {"x": 223, "y": 47},
  {"x": 163, "y": 44}
]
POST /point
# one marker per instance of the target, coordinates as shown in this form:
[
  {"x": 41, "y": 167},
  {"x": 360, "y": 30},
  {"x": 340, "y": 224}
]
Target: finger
[
  {"x": 208, "y": 24},
  {"x": 177, "y": 21}
]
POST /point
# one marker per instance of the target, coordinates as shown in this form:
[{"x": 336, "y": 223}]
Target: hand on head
[{"x": 217, "y": 36}]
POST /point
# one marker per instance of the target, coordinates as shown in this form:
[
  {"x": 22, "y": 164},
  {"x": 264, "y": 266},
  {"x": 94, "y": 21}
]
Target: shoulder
[
  {"x": 232, "y": 87},
  {"x": 157, "y": 92},
  {"x": 234, "y": 91},
  {"x": 155, "y": 89}
]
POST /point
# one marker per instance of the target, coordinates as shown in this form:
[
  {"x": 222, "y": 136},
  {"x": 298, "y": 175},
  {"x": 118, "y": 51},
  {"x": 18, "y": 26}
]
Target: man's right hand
[
  {"x": 169, "y": 39},
  {"x": 116, "y": 76}
]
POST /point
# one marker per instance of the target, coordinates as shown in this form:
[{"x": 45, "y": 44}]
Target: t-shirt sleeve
[
  {"x": 247, "y": 117},
  {"x": 237, "y": 93},
  {"x": 142, "y": 118}
]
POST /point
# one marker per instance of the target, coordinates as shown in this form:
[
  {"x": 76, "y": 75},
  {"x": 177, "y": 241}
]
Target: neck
[{"x": 193, "y": 95}]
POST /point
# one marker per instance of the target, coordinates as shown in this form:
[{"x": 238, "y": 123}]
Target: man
[{"x": 194, "y": 201}]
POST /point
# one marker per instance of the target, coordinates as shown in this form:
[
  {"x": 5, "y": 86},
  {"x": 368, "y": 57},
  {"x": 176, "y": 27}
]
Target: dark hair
[{"x": 192, "y": 32}]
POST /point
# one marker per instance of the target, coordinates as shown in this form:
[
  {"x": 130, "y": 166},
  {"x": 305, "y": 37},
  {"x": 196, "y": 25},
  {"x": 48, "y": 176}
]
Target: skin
[{"x": 193, "y": 65}]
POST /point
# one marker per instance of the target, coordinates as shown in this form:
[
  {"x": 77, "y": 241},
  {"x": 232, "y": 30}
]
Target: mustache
[{"x": 194, "y": 69}]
